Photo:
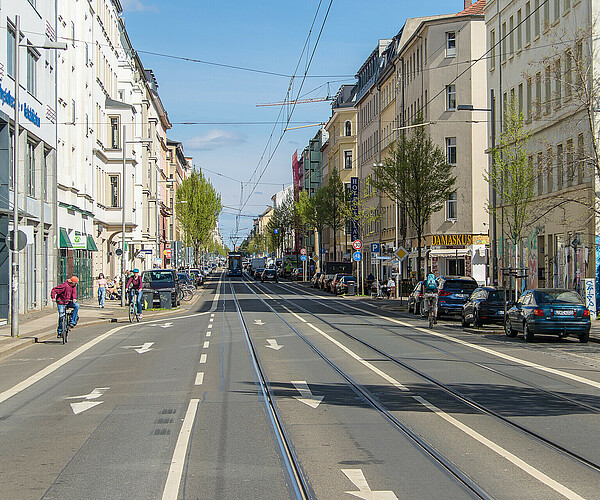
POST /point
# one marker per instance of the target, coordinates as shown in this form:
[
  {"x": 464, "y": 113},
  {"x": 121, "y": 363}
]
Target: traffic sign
[
  {"x": 357, "y": 244},
  {"x": 21, "y": 240},
  {"x": 375, "y": 248},
  {"x": 357, "y": 256},
  {"x": 275, "y": 231},
  {"x": 303, "y": 258},
  {"x": 303, "y": 251},
  {"x": 401, "y": 253}
]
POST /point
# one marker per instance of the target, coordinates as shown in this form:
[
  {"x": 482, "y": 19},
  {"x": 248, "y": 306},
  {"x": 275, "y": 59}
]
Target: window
[
  {"x": 538, "y": 94},
  {"x": 347, "y": 159},
  {"x": 87, "y": 126},
  {"x": 568, "y": 74},
  {"x": 11, "y": 158},
  {"x": 556, "y": 10},
  {"x": 30, "y": 169},
  {"x": 348, "y": 128},
  {"x": 450, "y": 44},
  {"x": 73, "y": 112},
  {"x": 557, "y": 83},
  {"x": 519, "y": 31},
  {"x": 451, "y": 150},
  {"x": 114, "y": 132},
  {"x": 87, "y": 55},
  {"x": 529, "y": 99},
  {"x": 540, "y": 172},
  {"x": 425, "y": 52},
  {"x": 503, "y": 42},
  {"x": 520, "y": 98},
  {"x": 45, "y": 174},
  {"x": 559, "y": 167},
  {"x": 450, "y": 97},
  {"x": 549, "y": 167},
  {"x": 548, "y": 89},
  {"x": 511, "y": 36},
  {"x": 567, "y": 4},
  {"x": 73, "y": 33},
  {"x": 114, "y": 191},
  {"x": 527, "y": 23},
  {"x": 10, "y": 50},
  {"x": 580, "y": 159},
  {"x": 451, "y": 207},
  {"x": 569, "y": 178},
  {"x": 546, "y": 14},
  {"x": 492, "y": 49},
  {"x": 32, "y": 58},
  {"x": 536, "y": 17}
]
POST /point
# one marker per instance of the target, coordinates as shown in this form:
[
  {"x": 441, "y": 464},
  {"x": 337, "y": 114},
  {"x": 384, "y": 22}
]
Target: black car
[
  {"x": 342, "y": 284},
  {"x": 197, "y": 276},
  {"x": 162, "y": 280},
  {"x": 269, "y": 275},
  {"x": 314, "y": 281},
  {"x": 185, "y": 278},
  {"x": 257, "y": 273},
  {"x": 415, "y": 299},
  {"x": 453, "y": 293},
  {"x": 485, "y": 305}
]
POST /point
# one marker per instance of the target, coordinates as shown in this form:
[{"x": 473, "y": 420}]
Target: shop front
[{"x": 76, "y": 259}]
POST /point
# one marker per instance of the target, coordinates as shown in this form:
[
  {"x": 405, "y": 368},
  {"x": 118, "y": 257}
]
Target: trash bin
[
  {"x": 165, "y": 300},
  {"x": 351, "y": 288},
  {"x": 148, "y": 299}
]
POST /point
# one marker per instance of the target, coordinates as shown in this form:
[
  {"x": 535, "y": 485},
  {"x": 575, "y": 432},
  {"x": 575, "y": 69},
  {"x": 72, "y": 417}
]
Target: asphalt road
[{"x": 175, "y": 408}]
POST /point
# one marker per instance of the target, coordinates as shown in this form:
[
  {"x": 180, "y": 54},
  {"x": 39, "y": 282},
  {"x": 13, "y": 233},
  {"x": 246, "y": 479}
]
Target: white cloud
[
  {"x": 214, "y": 139},
  {"x": 136, "y": 6}
]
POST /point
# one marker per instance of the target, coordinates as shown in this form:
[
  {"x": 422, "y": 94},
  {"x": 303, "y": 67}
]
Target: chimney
[{"x": 467, "y": 4}]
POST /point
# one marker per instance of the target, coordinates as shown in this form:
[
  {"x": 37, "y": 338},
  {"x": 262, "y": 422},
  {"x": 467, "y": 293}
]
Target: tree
[
  {"x": 281, "y": 223},
  {"x": 197, "y": 206},
  {"x": 417, "y": 176},
  {"x": 312, "y": 212},
  {"x": 513, "y": 176},
  {"x": 336, "y": 205}
]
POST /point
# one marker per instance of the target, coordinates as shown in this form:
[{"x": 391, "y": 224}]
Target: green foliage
[
  {"x": 336, "y": 205},
  {"x": 197, "y": 208}
]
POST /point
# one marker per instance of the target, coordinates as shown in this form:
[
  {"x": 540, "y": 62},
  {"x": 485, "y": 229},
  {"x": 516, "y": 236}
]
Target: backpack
[{"x": 431, "y": 284}]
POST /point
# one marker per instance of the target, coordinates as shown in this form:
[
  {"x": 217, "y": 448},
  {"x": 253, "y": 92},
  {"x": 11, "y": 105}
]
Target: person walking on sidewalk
[
  {"x": 134, "y": 283},
  {"x": 65, "y": 295},
  {"x": 101, "y": 290}
]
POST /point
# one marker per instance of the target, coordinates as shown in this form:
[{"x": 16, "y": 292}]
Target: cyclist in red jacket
[
  {"x": 135, "y": 286},
  {"x": 65, "y": 295}
]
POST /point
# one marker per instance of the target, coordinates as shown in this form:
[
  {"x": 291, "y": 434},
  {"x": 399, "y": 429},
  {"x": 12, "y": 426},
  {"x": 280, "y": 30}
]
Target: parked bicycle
[{"x": 186, "y": 292}]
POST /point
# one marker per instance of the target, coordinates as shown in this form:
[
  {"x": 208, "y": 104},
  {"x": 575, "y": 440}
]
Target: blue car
[
  {"x": 549, "y": 311},
  {"x": 453, "y": 293}
]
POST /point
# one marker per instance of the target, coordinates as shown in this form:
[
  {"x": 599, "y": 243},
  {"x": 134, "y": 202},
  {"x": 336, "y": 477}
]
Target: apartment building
[
  {"x": 538, "y": 52},
  {"x": 27, "y": 27}
]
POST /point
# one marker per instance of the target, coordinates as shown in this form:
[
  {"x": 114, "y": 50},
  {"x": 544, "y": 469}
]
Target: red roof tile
[{"x": 473, "y": 10}]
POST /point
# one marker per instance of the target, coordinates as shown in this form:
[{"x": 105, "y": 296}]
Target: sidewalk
[{"x": 38, "y": 326}]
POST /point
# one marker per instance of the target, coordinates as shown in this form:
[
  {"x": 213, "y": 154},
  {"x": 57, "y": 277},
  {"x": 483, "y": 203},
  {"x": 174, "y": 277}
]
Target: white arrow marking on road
[
  {"x": 167, "y": 325},
  {"x": 273, "y": 344},
  {"x": 358, "y": 478},
  {"x": 258, "y": 322},
  {"x": 87, "y": 403},
  {"x": 306, "y": 395},
  {"x": 140, "y": 348}
]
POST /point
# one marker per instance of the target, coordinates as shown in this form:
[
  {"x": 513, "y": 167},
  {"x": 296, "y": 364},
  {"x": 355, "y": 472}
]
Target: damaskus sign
[{"x": 452, "y": 239}]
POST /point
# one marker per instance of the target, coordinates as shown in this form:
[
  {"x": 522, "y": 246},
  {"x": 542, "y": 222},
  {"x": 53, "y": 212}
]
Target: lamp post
[
  {"x": 14, "y": 300},
  {"x": 124, "y": 148}
]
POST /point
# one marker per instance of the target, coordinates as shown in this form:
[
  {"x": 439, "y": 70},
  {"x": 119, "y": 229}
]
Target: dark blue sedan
[{"x": 549, "y": 311}]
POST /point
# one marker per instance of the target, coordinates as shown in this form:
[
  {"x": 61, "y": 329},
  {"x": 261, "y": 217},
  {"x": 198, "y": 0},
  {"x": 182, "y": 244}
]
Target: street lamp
[
  {"x": 14, "y": 300},
  {"x": 124, "y": 147},
  {"x": 494, "y": 246}
]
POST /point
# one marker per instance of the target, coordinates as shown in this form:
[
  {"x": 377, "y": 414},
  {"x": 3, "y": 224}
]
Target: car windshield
[
  {"x": 460, "y": 286},
  {"x": 183, "y": 276},
  {"x": 348, "y": 278},
  {"x": 558, "y": 297},
  {"x": 157, "y": 276}
]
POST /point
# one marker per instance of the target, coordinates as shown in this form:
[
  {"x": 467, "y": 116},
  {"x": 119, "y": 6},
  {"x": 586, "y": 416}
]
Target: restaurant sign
[{"x": 452, "y": 239}]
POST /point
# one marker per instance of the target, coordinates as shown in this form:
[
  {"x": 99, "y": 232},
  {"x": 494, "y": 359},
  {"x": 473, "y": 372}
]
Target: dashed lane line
[
  {"x": 199, "y": 378},
  {"x": 203, "y": 358},
  {"x": 206, "y": 344}
]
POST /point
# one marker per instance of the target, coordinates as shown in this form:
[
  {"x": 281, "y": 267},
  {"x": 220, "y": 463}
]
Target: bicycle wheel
[
  {"x": 66, "y": 326},
  {"x": 187, "y": 294},
  {"x": 431, "y": 318},
  {"x": 131, "y": 311}
]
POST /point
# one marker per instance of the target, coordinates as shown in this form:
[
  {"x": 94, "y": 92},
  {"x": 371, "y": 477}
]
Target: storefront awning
[
  {"x": 91, "y": 244},
  {"x": 449, "y": 252},
  {"x": 63, "y": 239}
]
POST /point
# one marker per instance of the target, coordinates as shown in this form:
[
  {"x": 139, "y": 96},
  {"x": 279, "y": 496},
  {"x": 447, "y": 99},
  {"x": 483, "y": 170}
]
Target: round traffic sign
[
  {"x": 357, "y": 256},
  {"x": 357, "y": 244},
  {"x": 303, "y": 258},
  {"x": 303, "y": 251}
]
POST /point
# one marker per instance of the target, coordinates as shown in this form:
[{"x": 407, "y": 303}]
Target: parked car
[
  {"x": 297, "y": 274},
  {"x": 269, "y": 275},
  {"x": 453, "y": 293},
  {"x": 258, "y": 272},
  {"x": 334, "y": 282},
  {"x": 485, "y": 305},
  {"x": 342, "y": 284},
  {"x": 197, "y": 276},
  {"x": 549, "y": 311},
  {"x": 326, "y": 281},
  {"x": 314, "y": 282},
  {"x": 162, "y": 280},
  {"x": 416, "y": 298}
]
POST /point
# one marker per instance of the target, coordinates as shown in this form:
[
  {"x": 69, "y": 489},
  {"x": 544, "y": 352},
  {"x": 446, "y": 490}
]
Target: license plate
[
  {"x": 461, "y": 295},
  {"x": 563, "y": 312},
  {"x": 501, "y": 312}
]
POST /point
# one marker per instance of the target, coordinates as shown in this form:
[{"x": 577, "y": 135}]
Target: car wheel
[
  {"x": 409, "y": 308},
  {"x": 584, "y": 337},
  {"x": 527, "y": 333},
  {"x": 463, "y": 321},
  {"x": 476, "y": 320},
  {"x": 508, "y": 329}
]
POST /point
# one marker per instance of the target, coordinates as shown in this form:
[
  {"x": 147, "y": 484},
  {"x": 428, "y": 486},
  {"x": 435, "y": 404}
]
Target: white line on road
[
  {"x": 364, "y": 490},
  {"x": 199, "y": 378},
  {"x": 208, "y": 333},
  {"x": 178, "y": 461},
  {"x": 210, "y": 326},
  {"x": 203, "y": 358},
  {"x": 211, "y": 320},
  {"x": 294, "y": 314},
  {"x": 206, "y": 344}
]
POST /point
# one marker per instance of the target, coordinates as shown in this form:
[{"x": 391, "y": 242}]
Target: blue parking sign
[{"x": 375, "y": 248}]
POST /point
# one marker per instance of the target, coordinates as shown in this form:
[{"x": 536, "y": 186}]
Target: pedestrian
[
  {"x": 101, "y": 290},
  {"x": 391, "y": 288}
]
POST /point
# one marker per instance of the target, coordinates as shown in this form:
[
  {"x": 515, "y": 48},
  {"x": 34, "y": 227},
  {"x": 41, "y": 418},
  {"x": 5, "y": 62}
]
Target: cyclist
[
  {"x": 134, "y": 285},
  {"x": 431, "y": 294},
  {"x": 65, "y": 295}
]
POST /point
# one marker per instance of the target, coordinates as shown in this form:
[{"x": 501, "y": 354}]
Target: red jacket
[
  {"x": 136, "y": 283},
  {"x": 64, "y": 293}
]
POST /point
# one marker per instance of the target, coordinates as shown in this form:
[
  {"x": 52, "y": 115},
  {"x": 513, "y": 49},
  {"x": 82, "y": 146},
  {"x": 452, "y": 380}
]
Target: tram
[{"x": 234, "y": 264}]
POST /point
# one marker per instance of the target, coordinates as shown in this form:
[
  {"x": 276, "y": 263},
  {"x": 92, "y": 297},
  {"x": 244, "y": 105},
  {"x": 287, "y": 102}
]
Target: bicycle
[
  {"x": 66, "y": 325},
  {"x": 133, "y": 310},
  {"x": 431, "y": 310},
  {"x": 186, "y": 292}
]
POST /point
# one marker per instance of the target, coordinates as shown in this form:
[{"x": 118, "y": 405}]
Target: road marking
[
  {"x": 87, "y": 402},
  {"x": 203, "y": 358},
  {"x": 212, "y": 315},
  {"x": 199, "y": 378},
  {"x": 259, "y": 322},
  {"x": 208, "y": 333},
  {"x": 178, "y": 461},
  {"x": 140, "y": 348},
  {"x": 532, "y": 471},
  {"x": 358, "y": 479},
  {"x": 306, "y": 396},
  {"x": 211, "y": 320},
  {"x": 273, "y": 344},
  {"x": 210, "y": 326},
  {"x": 167, "y": 325},
  {"x": 294, "y": 314},
  {"x": 268, "y": 296},
  {"x": 206, "y": 344}
]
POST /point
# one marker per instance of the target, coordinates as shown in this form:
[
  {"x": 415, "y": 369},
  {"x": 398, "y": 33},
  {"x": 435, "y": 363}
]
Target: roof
[{"x": 473, "y": 10}]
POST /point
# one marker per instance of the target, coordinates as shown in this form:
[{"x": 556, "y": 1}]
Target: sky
[{"x": 215, "y": 61}]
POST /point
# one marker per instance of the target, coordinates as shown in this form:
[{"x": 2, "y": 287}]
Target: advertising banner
[
  {"x": 354, "y": 204},
  {"x": 296, "y": 175}
]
